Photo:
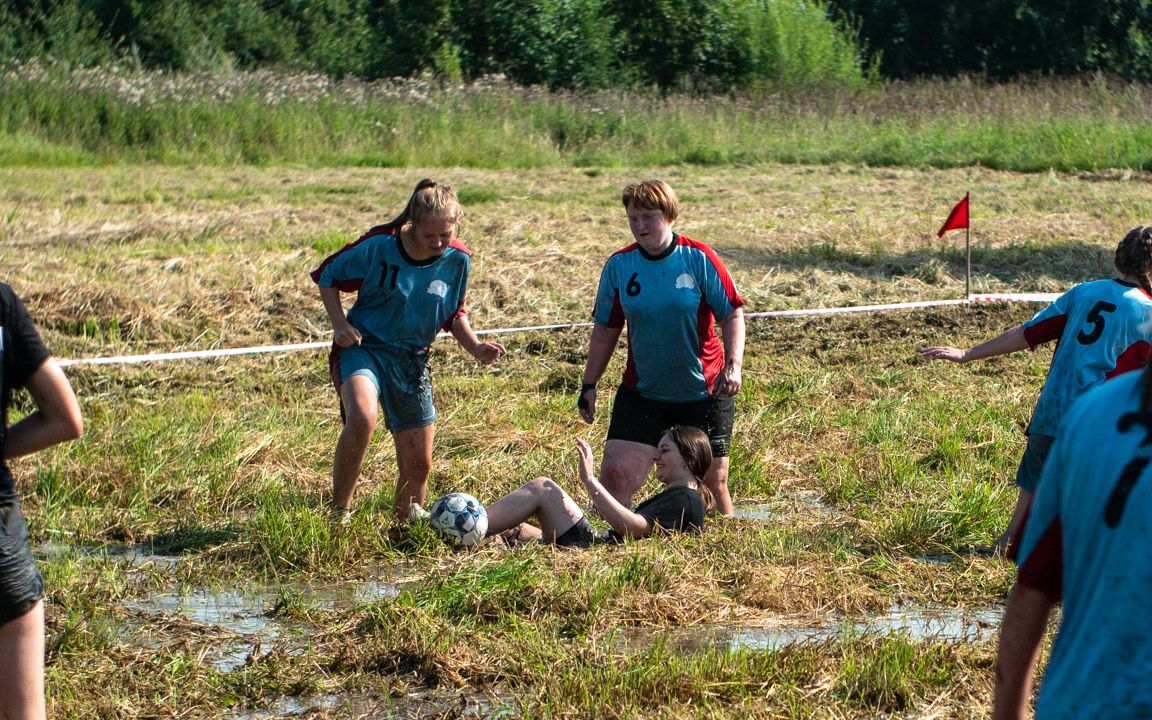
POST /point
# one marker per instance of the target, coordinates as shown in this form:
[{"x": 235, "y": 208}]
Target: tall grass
[{"x": 51, "y": 118}]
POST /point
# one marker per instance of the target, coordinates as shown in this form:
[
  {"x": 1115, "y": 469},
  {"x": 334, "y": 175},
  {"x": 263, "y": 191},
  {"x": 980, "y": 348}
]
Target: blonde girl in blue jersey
[
  {"x": 410, "y": 277},
  {"x": 669, "y": 290},
  {"x": 1102, "y": 330}
]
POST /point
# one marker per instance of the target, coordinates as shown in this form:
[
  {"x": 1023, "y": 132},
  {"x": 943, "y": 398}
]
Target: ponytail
[{"x": 429, "y": 199}]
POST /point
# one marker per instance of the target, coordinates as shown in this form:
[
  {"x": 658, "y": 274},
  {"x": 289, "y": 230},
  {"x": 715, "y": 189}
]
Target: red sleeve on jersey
[
  {"x": 1044, "y": 568},
  {"x": 1013, "y": 550},
  {"x": 460, "y": 246},
  {"x": 711, "y": 351},
  {"x": 721, "y": 270},
  {"x": 452, "y": 318},
  {"x": 1134, "y": 358},
  {"x": 351, "y": 285},
  {"x": 1045, "y": 331},
  {"x": 616, "y": 319}
]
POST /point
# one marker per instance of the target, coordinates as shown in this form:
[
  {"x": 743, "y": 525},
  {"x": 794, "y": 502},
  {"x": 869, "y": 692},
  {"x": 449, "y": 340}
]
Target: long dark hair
[
  {"x": 696, "y": 450},
  {"x": 1134, "y": 254}
]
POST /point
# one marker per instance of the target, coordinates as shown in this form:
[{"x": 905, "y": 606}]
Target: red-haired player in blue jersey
[
  {"x": 410, "y": 277},
  {"x": 1101, "y": 328},
  {"x": 668, "y": 289}
]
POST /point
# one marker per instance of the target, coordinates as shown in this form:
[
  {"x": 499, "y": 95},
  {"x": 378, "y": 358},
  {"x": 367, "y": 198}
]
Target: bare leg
[
  {"x": 625, "y": 467},
  {"x": 22, "y": 666},
  {"x": 1022, "y": 503},
  {"x": 717, "y": 481},
  {"x": 360, "y": 409},
  {"x": 414, "y": 456},
  {"x": 541, "y": 498}
]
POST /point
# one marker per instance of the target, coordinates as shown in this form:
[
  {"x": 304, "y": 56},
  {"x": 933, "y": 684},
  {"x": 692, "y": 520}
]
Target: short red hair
[{"x": 653, "y": 195}]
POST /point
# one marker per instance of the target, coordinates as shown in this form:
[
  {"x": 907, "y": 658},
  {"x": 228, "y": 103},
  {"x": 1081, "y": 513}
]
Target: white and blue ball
[{"x": 461, "y": 518}]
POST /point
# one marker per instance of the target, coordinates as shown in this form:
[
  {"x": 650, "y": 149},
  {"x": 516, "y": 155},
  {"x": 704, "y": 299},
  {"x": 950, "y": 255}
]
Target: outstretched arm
[
  {"x": 1006, "y": 342},
  {"x": 57, "y": 416},
  {"x": 732, "y": 328},
  {"x": 600, "y": 348},
  {"x": 486, "y": 352},
  {"x": 1021, "y": 632},
  {"x": 625, "y": 522}
]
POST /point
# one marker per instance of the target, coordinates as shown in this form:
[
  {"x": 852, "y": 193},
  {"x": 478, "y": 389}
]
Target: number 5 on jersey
[{"x": 1096, "y": 319}]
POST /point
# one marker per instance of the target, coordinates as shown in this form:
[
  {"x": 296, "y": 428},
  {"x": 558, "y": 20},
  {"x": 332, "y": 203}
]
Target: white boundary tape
[{"x": 226, "y": 352}]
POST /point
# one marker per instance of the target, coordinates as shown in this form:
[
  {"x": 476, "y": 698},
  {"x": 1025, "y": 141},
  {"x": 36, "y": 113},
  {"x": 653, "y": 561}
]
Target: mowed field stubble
[{"x": 873, "y": 472}]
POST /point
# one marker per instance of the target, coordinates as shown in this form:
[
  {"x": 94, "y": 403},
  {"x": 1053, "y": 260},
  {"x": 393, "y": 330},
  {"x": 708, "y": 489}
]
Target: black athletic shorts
[
  {"x": 21, "y": 584},
  {"x": 580, "y": 535},
  {"x": 636, "y": 418}
]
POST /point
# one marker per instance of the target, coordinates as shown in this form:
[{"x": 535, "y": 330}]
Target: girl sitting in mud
[{"x": 682, "y": 457}]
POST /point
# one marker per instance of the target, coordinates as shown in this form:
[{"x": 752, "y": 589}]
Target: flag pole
[{"x": 968, "y": 250}]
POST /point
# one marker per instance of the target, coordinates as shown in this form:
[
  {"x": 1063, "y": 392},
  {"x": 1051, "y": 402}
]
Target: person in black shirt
[
  {"x": 25, "y": 362},
  {"x": 683, "y": 456}
]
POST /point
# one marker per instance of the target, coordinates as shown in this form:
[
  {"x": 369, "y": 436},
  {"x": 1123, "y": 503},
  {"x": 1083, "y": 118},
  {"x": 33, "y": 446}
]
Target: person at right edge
[
  {"x": 25, "y": 363},
  {"x": 1085, "y": 541},
  {"x": 668, "y": 289}
]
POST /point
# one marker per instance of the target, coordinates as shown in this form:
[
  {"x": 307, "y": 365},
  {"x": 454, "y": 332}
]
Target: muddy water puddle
[
  {"x": 235, "y": 624},
  {"x": 416, "y": 705},
  {"x": 916, "y": 623},
  {"x": 791, "y": 504},
  {"x": 134, "y": 555}
]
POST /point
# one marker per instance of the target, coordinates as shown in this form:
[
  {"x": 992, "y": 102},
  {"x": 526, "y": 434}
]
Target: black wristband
[{"x": 581, "y": 401}]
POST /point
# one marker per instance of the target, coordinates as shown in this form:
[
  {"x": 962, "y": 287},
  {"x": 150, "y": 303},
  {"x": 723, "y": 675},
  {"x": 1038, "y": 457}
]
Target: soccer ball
[{"x": 461, "y": 518}]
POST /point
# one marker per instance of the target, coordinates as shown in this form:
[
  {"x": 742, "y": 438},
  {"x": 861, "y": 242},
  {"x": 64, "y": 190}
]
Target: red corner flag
[{"x": 957, "y": 219}]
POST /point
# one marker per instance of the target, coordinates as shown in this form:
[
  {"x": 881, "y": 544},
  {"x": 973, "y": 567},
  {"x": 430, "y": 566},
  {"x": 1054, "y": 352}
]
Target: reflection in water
[
  {"x": 240, "y": 622},
  {"x": 915, "y": 623},
  {"x": 803, "y": 502}
]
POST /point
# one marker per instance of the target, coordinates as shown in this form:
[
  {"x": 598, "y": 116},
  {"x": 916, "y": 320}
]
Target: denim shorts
[
  {"x": 403, "y": 384},
  {"x": 1032, "y": 464},
  {"x": 21, "y": 585}
]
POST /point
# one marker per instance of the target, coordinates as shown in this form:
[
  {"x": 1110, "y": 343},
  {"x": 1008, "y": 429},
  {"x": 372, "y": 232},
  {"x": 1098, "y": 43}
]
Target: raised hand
[{"x": 584, "y": 464}]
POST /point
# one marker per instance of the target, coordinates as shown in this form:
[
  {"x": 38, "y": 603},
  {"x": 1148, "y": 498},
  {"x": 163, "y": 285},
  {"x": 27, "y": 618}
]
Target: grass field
[
  {"x": 879, "y": 472},
  {"x": 109, "y": 117}
]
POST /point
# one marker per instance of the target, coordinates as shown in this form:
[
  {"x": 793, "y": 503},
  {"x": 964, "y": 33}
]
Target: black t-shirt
[
  {"x": 21, "y": 354},
  {"x": 677, "y": 509}
]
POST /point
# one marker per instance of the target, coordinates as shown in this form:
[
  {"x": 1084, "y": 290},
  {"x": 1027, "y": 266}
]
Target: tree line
[{"x": 593, "y": 44}]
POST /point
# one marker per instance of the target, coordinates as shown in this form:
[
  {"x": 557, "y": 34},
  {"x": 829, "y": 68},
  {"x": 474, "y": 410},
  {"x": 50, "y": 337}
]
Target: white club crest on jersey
[
  {"x": 438, "y": 288},
  {"x": 685, "y": 281}
]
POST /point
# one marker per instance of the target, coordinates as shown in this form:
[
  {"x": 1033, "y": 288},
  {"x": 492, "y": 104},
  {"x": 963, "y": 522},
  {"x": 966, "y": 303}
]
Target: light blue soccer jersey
[
  {"x": 401, "y": 303},
  {"x": 1102, "y": 329},
  {"x": 1089, "y": 536},
  {"x": 669, "y": 302}
]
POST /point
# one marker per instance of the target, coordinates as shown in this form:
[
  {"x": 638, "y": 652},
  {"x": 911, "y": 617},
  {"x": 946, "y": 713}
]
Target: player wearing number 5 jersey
[
  {"x": 410, "y": 277},
  {"x": 1085, "y": 541},
  {"x": 1101, "y": 328},
  {"x": 669, "y": 290}
]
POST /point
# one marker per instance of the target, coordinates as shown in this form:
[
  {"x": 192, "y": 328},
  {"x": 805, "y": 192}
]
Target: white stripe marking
[{"x": 226, "y": 352}]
